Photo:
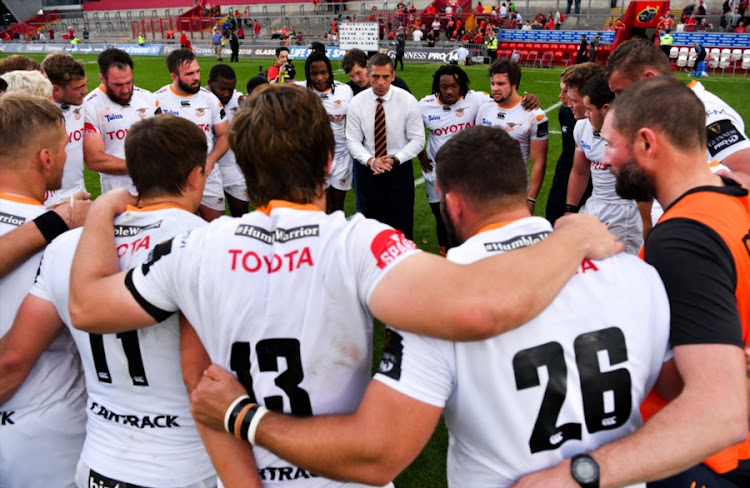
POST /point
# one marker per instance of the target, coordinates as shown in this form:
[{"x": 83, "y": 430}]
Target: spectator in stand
[
  {"x": 526, "y": 26},
  {"x": 740, "y": 29},
  {"x": 665, "y": 22},
  {"x": 704, "y": 26},
  {"x": 256, "y": 29},
  {"x": 430, "y": 39},
  {"x": 85, "y": 34},
  {"x": 436, "y": 27},
  {"x": 690, "y": 23},
  {"x": 550, "y": 25},
  {"x": 51, "y": 33},
  {"x": 417, "y": 35},
  {"x": 687, "y": 11}
]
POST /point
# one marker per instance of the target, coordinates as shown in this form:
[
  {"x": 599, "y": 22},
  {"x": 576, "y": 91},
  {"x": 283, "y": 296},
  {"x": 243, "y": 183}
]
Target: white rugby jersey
[
  {"x": 139, "y": 427},
  {"x": 202, "y": 108},
  {"x": 603, "y": 352},
  {"x": 112, "y": 121},
  {"x": 230, "y": 172},
  {"x": 279, "y": 297},
  {"x": 53, "y": 391},
  {"x": 724, "y": 126},
  {"x": 336, "y": 102},
  {"x": 444, "y": 121},
  {"x": 592, "y": 145},
  {"x": 522, "y": 125},
  {"x": 72, "y": 181}
]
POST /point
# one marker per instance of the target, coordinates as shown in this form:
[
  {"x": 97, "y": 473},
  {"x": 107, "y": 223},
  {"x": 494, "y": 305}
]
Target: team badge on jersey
[
  {"x": 393, "y": 351},
  {"x": 460, "y": 112},
  {"x": 200, "y": 111},
  {"x": 337, "y": 103},
  {"x": 142, "y": 112},
  {"x": 77, "y": 113}
]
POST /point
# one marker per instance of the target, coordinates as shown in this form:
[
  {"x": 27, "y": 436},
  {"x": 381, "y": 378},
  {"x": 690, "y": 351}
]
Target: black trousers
[
  {"x": 235, "y": 55},
  {"x": 387, "y": 197}
]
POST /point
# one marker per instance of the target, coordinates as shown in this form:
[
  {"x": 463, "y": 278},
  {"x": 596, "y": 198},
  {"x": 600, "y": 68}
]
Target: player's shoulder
[
  {"x": 163, "y": 90},
  {"x": 67, "y": 241},
  {"x": 94, "y": 96},
  {"x": 141, "y": 91},
  {"x": 345, "y": 89},
  {"x": 428, "y": 100}
]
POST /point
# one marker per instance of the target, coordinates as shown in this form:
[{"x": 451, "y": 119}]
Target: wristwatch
[{"x": 585, "y": 471}]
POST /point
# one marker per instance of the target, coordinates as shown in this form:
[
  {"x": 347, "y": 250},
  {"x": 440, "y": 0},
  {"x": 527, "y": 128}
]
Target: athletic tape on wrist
[
  {"x": 230, "y": 417},
  {"x": 50, "y": 225},
  {"x": 255, "y": 419}
]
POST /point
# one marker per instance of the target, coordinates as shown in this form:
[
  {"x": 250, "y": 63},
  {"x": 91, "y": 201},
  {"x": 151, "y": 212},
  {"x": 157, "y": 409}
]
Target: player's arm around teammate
[
  {"x": 397, "y": 428},
  {"x": 461, "y": 302},
  {"x": 232, "y": 458},
  {"x": 19, "y": 244}
]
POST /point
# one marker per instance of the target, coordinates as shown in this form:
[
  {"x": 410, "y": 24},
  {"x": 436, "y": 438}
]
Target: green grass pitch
[{"x": 428, "y": 470}]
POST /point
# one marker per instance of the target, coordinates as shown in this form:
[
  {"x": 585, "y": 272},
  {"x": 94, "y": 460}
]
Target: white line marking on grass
[{"x": 418, "y": 181}]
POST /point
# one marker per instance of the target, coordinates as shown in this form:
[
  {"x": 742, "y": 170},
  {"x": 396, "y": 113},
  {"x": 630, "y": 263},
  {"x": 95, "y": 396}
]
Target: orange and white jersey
[
  {"x": 202, "y": 108},
  {"x": 139, "y": 426},
  {"x": 44, "y": 419},
  {"x": 279, "y": 297},
  {"x": 112, "y": 121},
  {"x": 592, "y": 145},
  {"x": 570, "y": 380},
  {"x": 444, "y": 121},
  {"x": 73, "y": 171},
  {"x": 522, "y": 125},
  {"x": 336, "y": 103}
]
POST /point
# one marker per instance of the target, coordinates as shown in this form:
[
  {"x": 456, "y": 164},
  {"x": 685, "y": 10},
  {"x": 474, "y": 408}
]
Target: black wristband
[
  {"x": 245, "y": 426},
  {"x": 572, "y": 208},
  {"x": 235, "y": 412},
  {"x": 50, "y": 225}
]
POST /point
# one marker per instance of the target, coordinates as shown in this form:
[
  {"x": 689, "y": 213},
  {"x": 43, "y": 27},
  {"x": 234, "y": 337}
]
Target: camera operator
[{"x": 283, "y": 71}]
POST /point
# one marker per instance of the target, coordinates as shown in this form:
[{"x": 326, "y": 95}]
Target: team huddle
[{"x": 163, "y": 344}]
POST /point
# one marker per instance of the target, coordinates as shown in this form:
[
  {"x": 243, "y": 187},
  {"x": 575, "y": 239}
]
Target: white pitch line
[{"x": 420, "y": 180}]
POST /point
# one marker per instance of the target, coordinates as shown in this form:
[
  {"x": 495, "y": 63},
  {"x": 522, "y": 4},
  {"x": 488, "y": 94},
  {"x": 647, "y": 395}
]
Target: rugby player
[
  {"x": 335, "y": 97},
  {"x": 139, "y": 429},
  {"x": 222, "y": 81},
  {"x": 110, "y": 110},
  {"x": 45, "y": 418},
  {"x": 501, "y": 424},
  {"x": 68, "y": 77},
  {"x": 726, "y": 140},
  {"x": 589, "y": 98},
  {"x": 185, "y": 98},
  {"x": 655, "y": 131},
  {"x": 288, "y": 281},
  {"x": 529, "y": 129}
]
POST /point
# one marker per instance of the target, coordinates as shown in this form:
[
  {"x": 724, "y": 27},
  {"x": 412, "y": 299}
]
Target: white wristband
[
  {"x": 254, "y": 424},
  {"x": 229, "y": 411}
]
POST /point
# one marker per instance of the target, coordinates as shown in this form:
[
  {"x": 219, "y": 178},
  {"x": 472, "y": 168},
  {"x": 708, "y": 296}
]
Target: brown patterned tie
[{"x": 381, "y": 145}]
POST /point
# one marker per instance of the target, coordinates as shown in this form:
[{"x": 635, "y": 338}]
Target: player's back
[
  {"x": 139, "y": 427},
  {"x": 53, "y": 389},
  {"x": 568, "y": 381},
  {"x": 282, "y": 304}
]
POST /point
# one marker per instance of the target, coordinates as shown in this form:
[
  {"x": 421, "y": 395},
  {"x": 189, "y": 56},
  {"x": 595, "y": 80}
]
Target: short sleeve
[
  {"x": 417, "y": 366},
  {"x": 539, "y": 126},
  {"x": 375, "y": 249}
]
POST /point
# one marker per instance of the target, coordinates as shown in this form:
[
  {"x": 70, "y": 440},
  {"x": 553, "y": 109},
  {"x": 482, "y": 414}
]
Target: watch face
[{"x": 585, "y": 470}]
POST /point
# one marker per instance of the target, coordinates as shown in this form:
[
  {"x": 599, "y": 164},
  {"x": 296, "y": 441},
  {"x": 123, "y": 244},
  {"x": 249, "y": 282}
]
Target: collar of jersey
[
  {"x": 150, "y": 208},
  {"x": 19, "y": 199},
  {"x": 495, "y": 225},
  {"x": 512, "y": 106},
  {"x": 274, "y": 204},
  {"x": 177, "y": 94},
  {"x": 440, "y": 101}
]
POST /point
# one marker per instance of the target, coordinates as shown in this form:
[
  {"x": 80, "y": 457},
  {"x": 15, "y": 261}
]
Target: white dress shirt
[{"x": 403, "y": 125}]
